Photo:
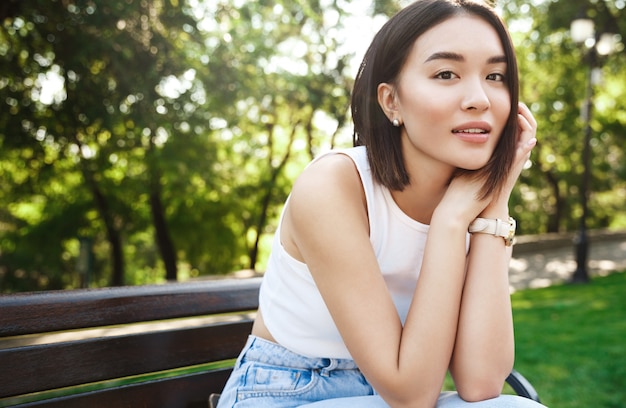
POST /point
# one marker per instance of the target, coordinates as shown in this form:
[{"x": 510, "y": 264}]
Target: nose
[{"x": 475, "y": 97}]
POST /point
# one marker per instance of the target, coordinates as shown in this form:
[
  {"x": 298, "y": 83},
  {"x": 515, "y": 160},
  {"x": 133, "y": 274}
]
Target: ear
[{"x": 387, "y": 100}]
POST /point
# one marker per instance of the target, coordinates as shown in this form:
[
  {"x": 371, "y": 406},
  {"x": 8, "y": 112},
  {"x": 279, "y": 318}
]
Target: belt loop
[{"x": 332, "y": 365}]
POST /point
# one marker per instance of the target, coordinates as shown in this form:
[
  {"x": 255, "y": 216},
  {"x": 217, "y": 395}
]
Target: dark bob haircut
[{"x": 383, "y": 62}]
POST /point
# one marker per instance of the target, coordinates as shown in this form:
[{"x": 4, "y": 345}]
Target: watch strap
[{"x": 497, "y": 227}]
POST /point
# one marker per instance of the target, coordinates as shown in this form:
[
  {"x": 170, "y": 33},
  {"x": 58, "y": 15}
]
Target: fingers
[
  {"x": 527, "y": 128},
  {"x": 524, "y": 111},
  {"x": 527, "y": 123}
]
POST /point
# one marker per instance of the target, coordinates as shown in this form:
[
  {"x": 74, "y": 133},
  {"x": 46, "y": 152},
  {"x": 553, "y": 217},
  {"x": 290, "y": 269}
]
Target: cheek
[
  {"x": 501, "y": 103},
  {"x": 503, "y": 111},
  {"x": 429, "y": 109}
]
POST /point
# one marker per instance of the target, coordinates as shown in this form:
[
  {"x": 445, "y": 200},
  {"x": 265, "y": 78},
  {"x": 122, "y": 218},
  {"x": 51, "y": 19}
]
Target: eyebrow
[{"x": 460, "y": 58}]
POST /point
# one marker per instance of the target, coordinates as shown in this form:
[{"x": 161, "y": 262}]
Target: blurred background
[{"x": 144, "y": 141}]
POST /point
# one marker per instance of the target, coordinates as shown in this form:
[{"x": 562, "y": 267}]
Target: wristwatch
[{"x": 497, "y": 227}]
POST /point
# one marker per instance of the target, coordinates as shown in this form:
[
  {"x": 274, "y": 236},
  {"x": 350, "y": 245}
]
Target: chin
[{"x": 473, "y": 167}]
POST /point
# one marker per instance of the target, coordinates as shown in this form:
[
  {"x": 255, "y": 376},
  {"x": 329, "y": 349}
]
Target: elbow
[
  {"x": 479, "y": 382},
  {"x": 480, "y": 385},
  {"x": 480, "y": 388},
  {"x": 480, "y": 391},
  {"x": 401, "y": 394}
]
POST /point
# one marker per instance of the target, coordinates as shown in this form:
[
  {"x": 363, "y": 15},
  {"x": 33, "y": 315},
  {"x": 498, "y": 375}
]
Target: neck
[
  {"x": 429, "y": 181},
  {"x": 420, "y": 198}
]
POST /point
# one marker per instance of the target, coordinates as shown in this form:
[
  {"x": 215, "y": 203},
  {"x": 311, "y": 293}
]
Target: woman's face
[{"x": 452, "y": 95}]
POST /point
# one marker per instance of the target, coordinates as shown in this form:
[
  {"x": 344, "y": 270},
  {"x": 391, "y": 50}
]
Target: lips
[{"x": 473, "y": 132}]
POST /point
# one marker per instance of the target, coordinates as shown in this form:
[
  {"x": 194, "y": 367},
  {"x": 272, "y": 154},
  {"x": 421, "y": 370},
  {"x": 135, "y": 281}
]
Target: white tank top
[{"x": 293, "y": 309}]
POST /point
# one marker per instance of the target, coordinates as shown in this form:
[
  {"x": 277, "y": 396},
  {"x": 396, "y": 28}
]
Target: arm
[
  {"x": 326, "y": 226},
  {"x": 484, "y": 351}
]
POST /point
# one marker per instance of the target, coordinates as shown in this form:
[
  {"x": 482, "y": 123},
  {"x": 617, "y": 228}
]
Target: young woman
[{"x": 390, "y": 263}]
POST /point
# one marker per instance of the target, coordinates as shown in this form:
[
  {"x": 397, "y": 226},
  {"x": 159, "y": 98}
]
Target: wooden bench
[{"x": 169, "y": 345}]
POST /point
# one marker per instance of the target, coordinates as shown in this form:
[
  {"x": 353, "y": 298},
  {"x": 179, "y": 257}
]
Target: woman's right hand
[{"x": 462, "y": 199}]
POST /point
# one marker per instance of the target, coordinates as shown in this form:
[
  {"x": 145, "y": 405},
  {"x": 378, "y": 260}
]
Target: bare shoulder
[
  {"x": 331, "y": 184},
  {"x": 328, "y": 194},
  {"x": 329, "y": 173}
]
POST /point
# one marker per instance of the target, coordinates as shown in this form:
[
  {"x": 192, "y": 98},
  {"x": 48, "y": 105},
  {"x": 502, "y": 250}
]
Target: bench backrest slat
[
  {"x": 40, "y": 312},
  {"x": 50, "y": 366}
]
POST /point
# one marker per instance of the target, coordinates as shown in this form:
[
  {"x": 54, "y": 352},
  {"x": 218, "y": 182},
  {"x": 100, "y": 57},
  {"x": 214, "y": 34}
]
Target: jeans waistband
[{"x": 267, "y": 352}]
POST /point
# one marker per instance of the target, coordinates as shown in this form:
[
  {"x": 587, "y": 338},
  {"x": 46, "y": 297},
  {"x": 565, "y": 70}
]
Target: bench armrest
[{"x": 522, "y": 386}]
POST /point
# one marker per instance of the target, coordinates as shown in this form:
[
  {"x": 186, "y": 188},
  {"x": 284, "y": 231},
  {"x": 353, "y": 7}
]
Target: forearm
[
  {"x": 484, "y": 350},
  {"x": 430, "y": 330},
  {"x": 461, "y": 305}
]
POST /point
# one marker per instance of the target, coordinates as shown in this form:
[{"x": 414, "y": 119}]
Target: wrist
[
  {"x": 453, "y": 223},
  {"x": 500, "y": 211},
  {"x": 455, "y": 214}
]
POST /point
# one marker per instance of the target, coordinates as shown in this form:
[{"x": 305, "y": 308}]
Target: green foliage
[
  {"x": 178, "y": 128},
  {"x": 554, "y": 76},
  {"x": 99, "y": 154},
  {"x": 173, "y": 139},
  {"x": 279, "y": 69}
]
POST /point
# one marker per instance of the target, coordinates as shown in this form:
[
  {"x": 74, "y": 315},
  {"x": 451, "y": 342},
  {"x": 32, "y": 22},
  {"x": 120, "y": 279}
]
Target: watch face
[
  {"x": 511, "y": 237},
  {"x": 512, "y": 225}
]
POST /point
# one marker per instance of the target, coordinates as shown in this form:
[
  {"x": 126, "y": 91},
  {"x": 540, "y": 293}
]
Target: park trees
[
  {"x": 157, "y": 138},
  {"x": 150, "y": 140},
  {"x": 554, "y": 76},
  {"x": 93, "y": 94}
]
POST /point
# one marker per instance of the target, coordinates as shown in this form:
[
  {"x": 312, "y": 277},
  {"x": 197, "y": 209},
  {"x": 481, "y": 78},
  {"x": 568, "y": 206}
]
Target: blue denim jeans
[{"x": 268, "y": 375}]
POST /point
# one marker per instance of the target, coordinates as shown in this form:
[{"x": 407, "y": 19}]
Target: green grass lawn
[{"x": 571, "y": 342}]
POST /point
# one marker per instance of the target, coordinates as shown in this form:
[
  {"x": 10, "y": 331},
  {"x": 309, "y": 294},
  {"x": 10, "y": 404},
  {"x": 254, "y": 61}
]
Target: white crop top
[{"x": 293, "y": 309}]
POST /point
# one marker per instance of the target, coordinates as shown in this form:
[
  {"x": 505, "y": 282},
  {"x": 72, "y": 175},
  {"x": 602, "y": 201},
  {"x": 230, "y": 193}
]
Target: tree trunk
[
  {"x": 113, "y": 235},
  {"x": 554, "y": 222},
  {"x": 163, "y": 238},
  {"x": 267, "y": 198},
  {"x": 253, "y": 253}
]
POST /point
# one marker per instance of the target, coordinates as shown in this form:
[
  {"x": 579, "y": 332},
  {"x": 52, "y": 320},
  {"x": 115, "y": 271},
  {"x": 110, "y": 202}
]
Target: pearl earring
[{"x": 395, "y": 122}]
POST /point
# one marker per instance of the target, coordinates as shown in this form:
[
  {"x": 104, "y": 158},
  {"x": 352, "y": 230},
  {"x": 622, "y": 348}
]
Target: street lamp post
[{"x": 583, "y": 31}]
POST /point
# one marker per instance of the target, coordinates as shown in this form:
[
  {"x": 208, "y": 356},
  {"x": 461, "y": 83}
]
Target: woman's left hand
[{"x": 526, "y": 141}]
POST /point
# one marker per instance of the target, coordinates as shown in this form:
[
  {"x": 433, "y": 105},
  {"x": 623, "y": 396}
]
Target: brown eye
[
  {"x": 445, "y": 75},
  {"x": 496, "y": 77}
]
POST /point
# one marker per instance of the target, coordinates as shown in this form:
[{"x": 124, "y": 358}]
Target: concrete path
[{"x": 540, "y": 261}]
